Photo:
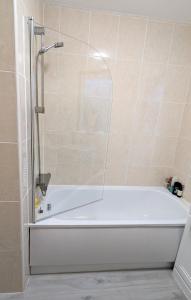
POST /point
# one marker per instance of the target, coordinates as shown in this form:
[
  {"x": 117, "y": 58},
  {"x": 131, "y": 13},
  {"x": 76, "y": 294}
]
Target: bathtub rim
[
  {"x": 161, "y": 189},
  {"x": 73, "y": 223}
]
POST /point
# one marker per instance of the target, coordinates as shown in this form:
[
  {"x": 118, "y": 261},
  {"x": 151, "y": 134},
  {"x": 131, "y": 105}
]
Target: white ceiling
[{"x": 178, "y": 10}]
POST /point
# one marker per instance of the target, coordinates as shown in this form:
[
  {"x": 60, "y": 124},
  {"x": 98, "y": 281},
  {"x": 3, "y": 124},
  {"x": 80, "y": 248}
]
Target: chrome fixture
[
  {"x": 42, "y": 180},
  {"x": 38, "y": 30},
  {"x": 55, "y": 45},
  {"x": 43, "y": 50}
]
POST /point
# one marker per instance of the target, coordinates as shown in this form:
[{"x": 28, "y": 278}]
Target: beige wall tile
[
  {"x": 51, "y": 155},
  {"x": 152, "y": 85},
  {"x": 22, "y": 106},
  {"x": 70, "y": 173},
  {"x": 125, "y": 80},
  {"x": 52, "y": 116},
  {"x": 75, "y": 23},
  {"x": 9, "y": 176},
  {"x": 103, "y": 33},
  {"x": 24, "y": 169},
  {"x": 176, "y": 83},
  {"x": 26, "y": 255},
  {"x": 72, "y": 67},
  {"x": 34, "y": 8},
  {"x": 52, "y": 80},
  {"x": 186, "y": 123},
  {"x": 183, "y": 157},
  {"x": 10, "y": 236},
  {"x": 145, "y": 120},
  {"x": 148, "y": 176},
  {"x": 158, "y": 175},
  {"x": 181, "y": 48},
  {"x": 182, "y": 176},
  {"x": 62, "y": 113},
  {"x": 11, "y": 272},
  {"x": 132, "y": 33},
  {"x": 52, "y": 16},
  {"x": 83, "y": 152},
  {"x": 137, "y": 176},
  {"x": 21, "y": 23},
  {"x": 7, "y": 45},
  {"x": 164, "y": 152},
  {"x": 98, "y": 79},
  {"x": 170, "y": 119},
  {"x": 93, "y": 116},
  {"x": 117, "y": 160},
  {"x": 25, "y": 203},
  {"x": 141, "y": 151},
  {"x": 187, "y": 190},
  {"x": 158, "y": 41},
  {"x": 122, "y": 116},
  {"x": 8, "y": 103},
  {"x": 60, "y": 69}
]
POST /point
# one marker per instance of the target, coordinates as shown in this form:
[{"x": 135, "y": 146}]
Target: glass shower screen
[{"x": 73, "y": 130}]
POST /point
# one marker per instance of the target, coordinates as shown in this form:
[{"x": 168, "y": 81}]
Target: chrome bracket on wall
[
  {"x": 40, "y": 109},
  {"x": 39, "y": 30}
]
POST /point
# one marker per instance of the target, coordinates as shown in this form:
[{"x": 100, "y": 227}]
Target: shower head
[
  {"x": 58, "y": 45},
  {"x": 55, "y": 45}
]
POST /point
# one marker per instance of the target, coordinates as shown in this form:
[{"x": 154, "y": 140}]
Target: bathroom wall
[
  {"x": 150, "y": 65},
  {"x": 183, "y": 152},
  {"x": 22, "y": 10},
  {"x": 10, "y": 214},
  {"x": 15, "y": 183}
]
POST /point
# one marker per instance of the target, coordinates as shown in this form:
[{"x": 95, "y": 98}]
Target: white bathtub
[{"x": 132, "y": 227}]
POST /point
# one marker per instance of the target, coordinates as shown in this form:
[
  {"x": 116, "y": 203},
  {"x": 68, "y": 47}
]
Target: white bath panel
[{"x": 94, "y": 249}]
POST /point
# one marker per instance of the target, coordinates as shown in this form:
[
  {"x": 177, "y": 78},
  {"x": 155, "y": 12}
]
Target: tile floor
[{"x": 126, "y": 285}]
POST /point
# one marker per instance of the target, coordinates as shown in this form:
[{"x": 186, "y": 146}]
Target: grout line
[
  {"x": 59, "y": 19},
  {"x": 11, "y": 143},
  {"x": 89, "y": 27},
  {"x": 19, "y": 202},
  {"x": 9, "y": 72},
  {"x": 43, "y": 13},
  {"x": 117, "y": 39}
]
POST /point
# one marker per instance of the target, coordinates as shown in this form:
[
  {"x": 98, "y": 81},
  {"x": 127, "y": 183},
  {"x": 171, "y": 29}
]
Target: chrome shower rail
[{"x": 42, "y": 180}]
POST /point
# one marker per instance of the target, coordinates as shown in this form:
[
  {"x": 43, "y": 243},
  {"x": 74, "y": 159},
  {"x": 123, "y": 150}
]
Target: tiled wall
[
  {"x": 15, "y": 185},
  {"x": 24, "y": 9},
  {"x": 150, "y": 65},
  {"x": 183, "y": 152},
  {"x": 10, "y": 216}
]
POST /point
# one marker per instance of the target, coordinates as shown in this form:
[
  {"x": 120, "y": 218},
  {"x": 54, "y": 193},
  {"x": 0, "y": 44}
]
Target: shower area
[
  {"x": 79, "y": 222},
  {"x": 71, "y": 96}
]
